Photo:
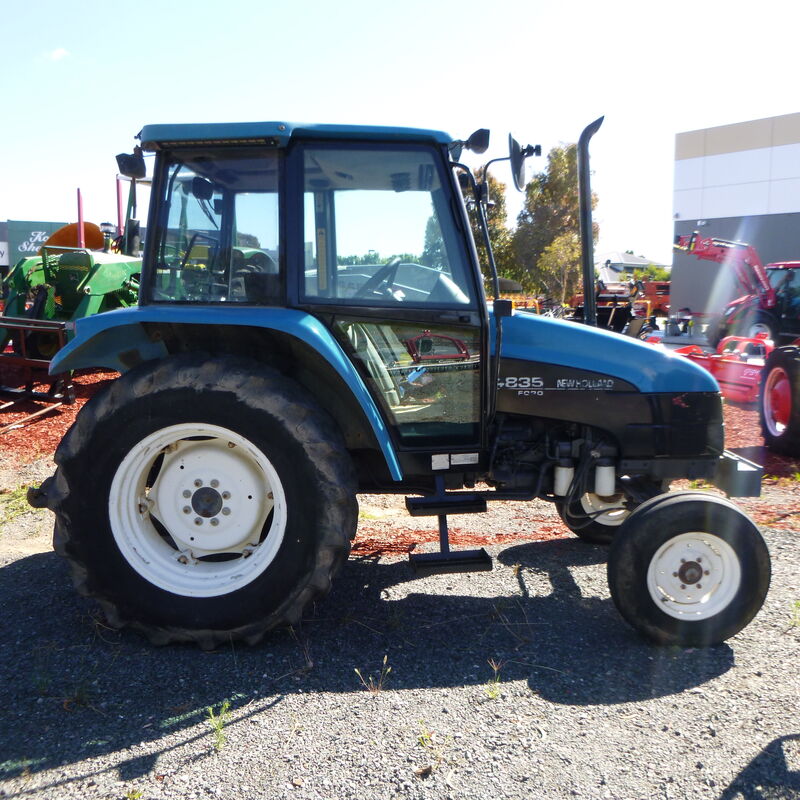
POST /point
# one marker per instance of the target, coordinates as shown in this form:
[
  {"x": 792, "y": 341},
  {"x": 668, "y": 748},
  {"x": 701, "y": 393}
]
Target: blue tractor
[{"x": 312, "y": 324}]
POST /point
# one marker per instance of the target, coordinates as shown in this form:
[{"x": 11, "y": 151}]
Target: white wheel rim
[
  {"x": 613, "y": 513},
  {"x": 694, "y": 576},
  {"x": 213, "y": 495},
  {"x": 759, "y": 327}
]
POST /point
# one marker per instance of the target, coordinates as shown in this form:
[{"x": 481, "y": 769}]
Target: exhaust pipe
[{"x": 587, "y": 239}]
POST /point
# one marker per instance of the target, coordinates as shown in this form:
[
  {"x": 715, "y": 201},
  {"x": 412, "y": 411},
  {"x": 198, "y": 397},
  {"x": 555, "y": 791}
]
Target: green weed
[
  {"x": 134, "y": 794},
  {"x": 13, "y": 503},
  {"x": 218, "y": 722},
  {"x": 492, "y": 687},
  {"x": 429, "y": 741},
  {"x": 375, "y": 685},
  {"x": 794, "y": 621}
]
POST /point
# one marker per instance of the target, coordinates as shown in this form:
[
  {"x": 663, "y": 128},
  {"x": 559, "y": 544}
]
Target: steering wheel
[
  {"x": 191, "y": 244},
  {"x": 386, "y": 274}
]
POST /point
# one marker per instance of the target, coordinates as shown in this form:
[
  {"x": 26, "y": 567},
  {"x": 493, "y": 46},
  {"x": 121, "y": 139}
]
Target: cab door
[{"x": 386, "y": 265}]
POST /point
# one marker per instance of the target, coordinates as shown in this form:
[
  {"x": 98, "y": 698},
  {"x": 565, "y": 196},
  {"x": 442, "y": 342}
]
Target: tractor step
[
  {"x": 440, "y": 505},
  {"x": 444, "y": 503},
  {"x": 451, "y": 561}
]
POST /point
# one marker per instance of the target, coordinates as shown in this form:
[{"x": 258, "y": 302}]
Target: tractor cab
[{"x": 367, "y": 235}]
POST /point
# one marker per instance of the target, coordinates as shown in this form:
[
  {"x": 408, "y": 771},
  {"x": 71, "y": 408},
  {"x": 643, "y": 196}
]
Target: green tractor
[
  {"x": 79, "y": 271},
  {"x": 63, "y": 284}
]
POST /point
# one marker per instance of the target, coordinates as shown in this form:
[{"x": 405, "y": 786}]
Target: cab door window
[{"x": 379, "y": 230}]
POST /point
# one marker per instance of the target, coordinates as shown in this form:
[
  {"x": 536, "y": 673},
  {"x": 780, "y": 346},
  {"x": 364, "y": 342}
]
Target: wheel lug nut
[
  {"x": 187, "y": 493},
  {"x": 699, "y": 560},
  {"x": 198, "y": 521},
  {"x": 214, "y": 483},
  {"x": 226, "y": 495},
  {"x": 699, "y": 585},
  {"x": 215, "y": 522},
  {"x": 226, "y": 511},
  {"x": 706, "y": 572},
  {"x": 683, "y": 586},
  {"x": 187, "y": 510},
  {"x": 198, "y": 482},
  {"x": 674, "y": 574}
]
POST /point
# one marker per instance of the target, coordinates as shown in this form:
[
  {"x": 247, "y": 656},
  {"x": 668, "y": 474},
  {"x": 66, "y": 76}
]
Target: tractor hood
[{"x": 651, "y": 369}]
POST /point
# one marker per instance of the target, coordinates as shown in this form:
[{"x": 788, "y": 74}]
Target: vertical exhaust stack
[{"x": 587, "y": 238}]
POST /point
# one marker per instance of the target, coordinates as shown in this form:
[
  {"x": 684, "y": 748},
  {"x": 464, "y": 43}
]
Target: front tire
[
  {"x": 688, "y": 569},
  {"x": 203, "y": 500},
  {"x": 779, "y": 401}
]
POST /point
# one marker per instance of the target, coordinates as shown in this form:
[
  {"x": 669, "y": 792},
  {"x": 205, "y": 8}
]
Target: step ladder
[{"x": 440, "y": 504}]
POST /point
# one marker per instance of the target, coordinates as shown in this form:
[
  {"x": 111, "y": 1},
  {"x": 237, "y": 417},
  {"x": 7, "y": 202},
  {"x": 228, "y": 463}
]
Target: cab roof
[{"x": 277, "y": 134}]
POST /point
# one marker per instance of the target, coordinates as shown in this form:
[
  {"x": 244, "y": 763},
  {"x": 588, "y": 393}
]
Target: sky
[{"x": 78, "y": 80}]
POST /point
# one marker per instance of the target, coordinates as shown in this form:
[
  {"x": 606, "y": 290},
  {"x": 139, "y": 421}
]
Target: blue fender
[
  {"x": 650, "y": 369},
  {"x": 117, "y": 339}
]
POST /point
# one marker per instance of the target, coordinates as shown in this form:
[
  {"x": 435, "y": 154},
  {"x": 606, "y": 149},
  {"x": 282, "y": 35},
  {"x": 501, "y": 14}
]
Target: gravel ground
[{"x": 582, "y": 707}]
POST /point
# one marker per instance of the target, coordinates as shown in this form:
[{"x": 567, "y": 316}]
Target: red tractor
[
  {"x": 770, "y": 309},
  {"x": 771, "y": 302}
]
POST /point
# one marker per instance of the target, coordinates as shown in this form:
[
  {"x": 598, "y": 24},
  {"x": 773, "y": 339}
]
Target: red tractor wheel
[{"x": 779, "y": 401}]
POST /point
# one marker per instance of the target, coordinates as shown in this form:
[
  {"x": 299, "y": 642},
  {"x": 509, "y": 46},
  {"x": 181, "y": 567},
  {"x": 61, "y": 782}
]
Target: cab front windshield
[{"x": 218, "y": 232}]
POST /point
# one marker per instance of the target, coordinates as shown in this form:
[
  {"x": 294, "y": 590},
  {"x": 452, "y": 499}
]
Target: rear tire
[
  {"x": 688, "y": 569},
  {"x": 779, "y": 401},
  {"x": 203, "y": 500}
]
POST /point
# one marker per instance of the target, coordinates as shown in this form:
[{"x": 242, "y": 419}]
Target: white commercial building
[{"x": 739, "y": 182}]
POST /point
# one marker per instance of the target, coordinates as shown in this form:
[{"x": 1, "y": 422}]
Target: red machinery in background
[
  {"x": 737, "y": 365},
  {"x": 771, "y": 303}
]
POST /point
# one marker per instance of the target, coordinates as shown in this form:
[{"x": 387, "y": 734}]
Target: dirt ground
[{"x": 384, "y": 527}]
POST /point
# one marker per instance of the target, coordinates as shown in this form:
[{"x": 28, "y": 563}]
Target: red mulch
[{"x": 40, "y": 437}]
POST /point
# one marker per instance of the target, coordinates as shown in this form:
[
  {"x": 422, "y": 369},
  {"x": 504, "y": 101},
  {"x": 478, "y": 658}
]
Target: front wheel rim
[
  {"x": 694, "y": 576},
  {"x": 777, "y": 401},
  {"x": 608, "y": 511},
  {"x": 197, "y": 510}
]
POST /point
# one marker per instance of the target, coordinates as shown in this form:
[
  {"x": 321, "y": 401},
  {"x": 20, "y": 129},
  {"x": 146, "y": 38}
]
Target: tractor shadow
[
  {"x": 543, "y": 614},
  {"x": 773, "y": 773}
]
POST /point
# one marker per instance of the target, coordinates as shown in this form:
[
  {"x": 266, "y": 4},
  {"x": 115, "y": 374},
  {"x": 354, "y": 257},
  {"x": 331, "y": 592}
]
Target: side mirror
[
  {"x": 517, "y": 156},
  {"x": 478, "y": 142},
  {"x": 517, "y": 163},
  {"x": 132, "y": 165},
  {"x": 202, "y": 189}
]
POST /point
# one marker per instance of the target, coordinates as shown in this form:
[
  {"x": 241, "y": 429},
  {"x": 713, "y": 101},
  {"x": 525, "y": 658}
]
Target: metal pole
[
  {"x": 120, "y": 229},
  {"x": 587, "y": 239},
  {"x": 81, "y": 236}
]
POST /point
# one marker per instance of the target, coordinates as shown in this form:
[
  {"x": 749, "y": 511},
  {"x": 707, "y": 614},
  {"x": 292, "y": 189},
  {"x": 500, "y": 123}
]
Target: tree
[
  {"x": 558, "y": 274},
  {"x": 548, "y": 227},
  {"x": 433, "y": 254},
  {"x": 652, "y": 272}
]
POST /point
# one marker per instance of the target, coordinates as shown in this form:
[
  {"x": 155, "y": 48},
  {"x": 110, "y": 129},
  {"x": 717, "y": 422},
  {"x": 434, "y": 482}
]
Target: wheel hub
[
  {"x": 207, "y": 502},
  {"x": 690, "y": 572}
]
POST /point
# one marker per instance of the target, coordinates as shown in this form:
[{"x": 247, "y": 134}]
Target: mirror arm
[{"x": 484, "y": 225}]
